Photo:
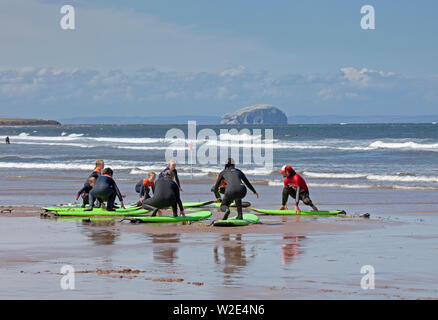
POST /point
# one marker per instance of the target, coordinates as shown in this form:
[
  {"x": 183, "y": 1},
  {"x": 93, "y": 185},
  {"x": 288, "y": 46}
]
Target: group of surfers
[{"x": 101, "y": 187}]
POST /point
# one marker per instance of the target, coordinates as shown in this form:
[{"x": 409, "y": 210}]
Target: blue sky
[{"x": 210, "y": 57}]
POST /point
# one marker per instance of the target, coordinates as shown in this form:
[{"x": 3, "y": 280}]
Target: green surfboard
[
  {"x": 102, "y": 213},
  {"x": 193, "y": 216},
  {"x": 75, "y": 209},
  {"x": 79, "y": 205},
  {"x": 196, "y": 204},
  {"x": 248, "y": 218},
  {"x": 245, "y": 204},
  {"x": 302, "y": 212}
]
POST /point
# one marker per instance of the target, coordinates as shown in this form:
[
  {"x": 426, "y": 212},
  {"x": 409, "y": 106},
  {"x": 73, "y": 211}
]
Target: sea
[{"x": 391, "y": 156}]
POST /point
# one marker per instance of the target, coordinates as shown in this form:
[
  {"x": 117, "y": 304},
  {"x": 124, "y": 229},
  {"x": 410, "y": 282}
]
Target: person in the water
[
  {"x": 166, "y": 194},
  {"x": 220, "y": 190},
  {"x": 296, "y": 187},
  {"x": 144, "y": 187},
  {"x": 85, "y": 191},
  {"x": 171, "y": 166},
  {"x": 105, "y": 189},
  {"x": 235, "y": 189},
  {"x": 7, "y": 141}
]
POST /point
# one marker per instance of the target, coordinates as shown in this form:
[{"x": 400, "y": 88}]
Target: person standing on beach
[
  {"x": 7, "y": 141},
  {"x": 296, "y": 187},
  {"x": 171, "y": 166},
  {"x": 235, "y": 190},
  {"x": 105, "y": 189},
  {"x": 166, "y": 194}
]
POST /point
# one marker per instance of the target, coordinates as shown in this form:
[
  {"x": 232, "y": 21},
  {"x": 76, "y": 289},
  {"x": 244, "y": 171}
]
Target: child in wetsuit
[
  {"x": 105, "y": 189},
  {"x": 221, "y": 189},
  {"x": 85, "y": 191},
  {"x": 144, "y": 186},
  {"x": 97, "y": 171}
]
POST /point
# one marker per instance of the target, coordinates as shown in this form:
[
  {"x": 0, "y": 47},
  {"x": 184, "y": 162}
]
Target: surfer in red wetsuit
[{"x": 294, "y": 185}]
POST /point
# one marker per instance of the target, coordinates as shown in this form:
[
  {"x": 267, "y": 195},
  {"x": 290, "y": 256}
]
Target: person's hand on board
[
  {"x": 77, "y": 196},
  {"x": 122, "y": 205}
]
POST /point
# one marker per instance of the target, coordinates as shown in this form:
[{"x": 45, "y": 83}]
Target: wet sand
[{"x": 281, "y": 258}]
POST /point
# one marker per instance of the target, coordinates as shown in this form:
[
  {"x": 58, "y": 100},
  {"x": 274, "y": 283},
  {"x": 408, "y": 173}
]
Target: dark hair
[
  {"x": 108, "y": 171},
  {"x": 169, "y": 174},
  {"x": 229, "y": 163}
]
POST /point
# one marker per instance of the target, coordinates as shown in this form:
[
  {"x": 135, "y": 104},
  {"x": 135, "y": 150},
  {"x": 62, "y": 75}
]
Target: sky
[{"x": 198, "y": 57}]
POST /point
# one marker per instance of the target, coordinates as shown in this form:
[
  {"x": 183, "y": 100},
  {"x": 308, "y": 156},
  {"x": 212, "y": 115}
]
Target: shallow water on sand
[{"x": 319, "y": 265}]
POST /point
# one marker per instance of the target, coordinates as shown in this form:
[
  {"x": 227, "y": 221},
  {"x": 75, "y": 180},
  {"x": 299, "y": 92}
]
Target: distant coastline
[{"x": 27, "y": 122}]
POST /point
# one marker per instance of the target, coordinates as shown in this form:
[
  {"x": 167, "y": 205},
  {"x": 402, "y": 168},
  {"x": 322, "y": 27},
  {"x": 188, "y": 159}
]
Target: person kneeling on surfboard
[
  {"x": 144, "y": 187},
  {"x": 166, "y": 194},
  {"x": 235, "y": 190},
  {"x": 294, "y": 184},
  {"x": 105, "y": 189},
  {"x": 85, "y": 191}
]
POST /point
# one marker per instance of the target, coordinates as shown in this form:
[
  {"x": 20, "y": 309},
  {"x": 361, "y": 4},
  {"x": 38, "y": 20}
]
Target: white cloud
[
  {"x": 233, "y": 72},
  {"x": 40, "y": 90}
]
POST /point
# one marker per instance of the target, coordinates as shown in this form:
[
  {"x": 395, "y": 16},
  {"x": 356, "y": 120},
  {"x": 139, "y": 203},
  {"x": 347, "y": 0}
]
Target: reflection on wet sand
[
  {"x": 291, "y": 249},
  {"x": 98, "y": 235},
  {"x": 233, "y": 257},
  {"x": 163, "y": 252}
]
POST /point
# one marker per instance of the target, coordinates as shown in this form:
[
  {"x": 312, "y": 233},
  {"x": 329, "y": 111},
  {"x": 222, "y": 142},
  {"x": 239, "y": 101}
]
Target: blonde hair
[
  {"x": 99, "y": 163},
  {"x": 151, "y": 173}
]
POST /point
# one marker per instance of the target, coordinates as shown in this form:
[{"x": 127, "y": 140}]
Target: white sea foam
[
  {"x": 404, "y": 145},
  {"x": 406, "y": 177},
  {"x": 334, "y": 175},
  {"x": 277, "y": 183},
  {"x": 68, "y": 166},
  {"x": 402, "y": 178}
]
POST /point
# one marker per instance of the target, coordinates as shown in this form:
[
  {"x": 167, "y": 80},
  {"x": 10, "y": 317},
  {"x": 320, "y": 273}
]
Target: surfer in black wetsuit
[
  {"x": 105, "y": 189},
  {"x": 85, "y": 191},
  {"x": 166, "y": 194},
  {"x": 235, "y": 190},
  {"x": 97, "y": 172},
  {"x": 171, "y": 166},
  {"x": 7, "y": 141}
]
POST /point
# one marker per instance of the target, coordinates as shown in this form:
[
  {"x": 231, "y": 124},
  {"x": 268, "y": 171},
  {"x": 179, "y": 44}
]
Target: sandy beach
[{"x": 280, "y": 258}]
